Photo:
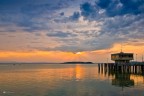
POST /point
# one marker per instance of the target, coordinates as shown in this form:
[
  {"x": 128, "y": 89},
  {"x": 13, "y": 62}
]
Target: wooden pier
[{"x": 124, "y": 68}]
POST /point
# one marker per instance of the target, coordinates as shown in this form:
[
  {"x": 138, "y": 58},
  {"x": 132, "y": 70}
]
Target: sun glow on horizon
[
  {"x": 62, "y": 56},
  {"x": 78, "y": 53}
]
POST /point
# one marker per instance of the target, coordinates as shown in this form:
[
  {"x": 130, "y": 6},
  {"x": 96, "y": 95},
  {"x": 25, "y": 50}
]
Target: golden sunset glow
[
  {"x": 79, "y": 53},
  {"x": 71, "y": 47},
  {"x": 58, "y": 56}
]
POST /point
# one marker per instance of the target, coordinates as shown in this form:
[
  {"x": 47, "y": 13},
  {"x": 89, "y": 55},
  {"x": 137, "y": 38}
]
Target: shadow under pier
[{"x": 121, "y": 73}]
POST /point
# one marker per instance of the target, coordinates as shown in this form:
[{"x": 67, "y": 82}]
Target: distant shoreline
[
  {"x": 78, "y": 63},
  {"x": 30, "y": 63},
  {"x": 14, "y": 63}
]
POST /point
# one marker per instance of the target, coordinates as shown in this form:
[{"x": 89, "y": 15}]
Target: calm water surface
[{"x": 67, "y": 80}]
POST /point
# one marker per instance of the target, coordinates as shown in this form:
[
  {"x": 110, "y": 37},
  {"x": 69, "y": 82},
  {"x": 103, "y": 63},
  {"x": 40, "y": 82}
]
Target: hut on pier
[{"x": 122, "y": 58}]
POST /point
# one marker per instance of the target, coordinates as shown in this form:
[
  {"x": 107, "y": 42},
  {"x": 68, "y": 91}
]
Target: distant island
[
  {"x": 78, "y": 63},
  {"x": 72, "y": 62}
]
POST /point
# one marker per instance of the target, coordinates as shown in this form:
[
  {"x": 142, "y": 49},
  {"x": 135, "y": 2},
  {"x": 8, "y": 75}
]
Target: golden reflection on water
[
  {"x": 75, "y": 72},
  {"x": 138, "y": 79},
  {"x": 38, "y": 79},
  {"x": 17, "y": 74},
  {"x": 79, "y": 72}
]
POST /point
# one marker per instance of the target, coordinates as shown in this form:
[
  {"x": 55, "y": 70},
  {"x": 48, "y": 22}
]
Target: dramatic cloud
[
  {"x": 119, "y": 17},
  {"x": 60, "y": 34},
  {"x": 30, "y": 15},
  {"x": 71, "y": 25},
  {"x": 75, "y": 16},
  {"x": 112, "y": 8}
]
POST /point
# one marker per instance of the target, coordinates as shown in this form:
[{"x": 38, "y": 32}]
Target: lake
[{"x": 67, "y": 80}]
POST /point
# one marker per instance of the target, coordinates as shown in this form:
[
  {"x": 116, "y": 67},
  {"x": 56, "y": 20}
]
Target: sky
[{"x": 70, "y": 30}]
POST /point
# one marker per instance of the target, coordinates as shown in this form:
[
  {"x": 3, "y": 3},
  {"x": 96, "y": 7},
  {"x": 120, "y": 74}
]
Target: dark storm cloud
[
  {"x": 104, "y": 3},
  {"x": 132, "y": 6},
  {"x": 89, "y": 11},
  {"x": 113, "y": 7},
  {"x": 115, "y": 14}
]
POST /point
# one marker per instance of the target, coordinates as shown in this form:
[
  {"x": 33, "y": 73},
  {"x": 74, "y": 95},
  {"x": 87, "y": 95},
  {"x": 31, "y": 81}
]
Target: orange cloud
[
  {"x": 38, "y": 56},
  {"x": 59, "y": 56}
]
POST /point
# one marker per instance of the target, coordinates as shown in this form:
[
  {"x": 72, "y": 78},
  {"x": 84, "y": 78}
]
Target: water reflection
[
  {"x": 123, "y": 79},
  {"x": 66, "y": 80}
]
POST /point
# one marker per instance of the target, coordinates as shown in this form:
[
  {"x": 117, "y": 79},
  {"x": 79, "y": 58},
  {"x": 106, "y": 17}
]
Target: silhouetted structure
[{"x": 122, "y": 57}]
